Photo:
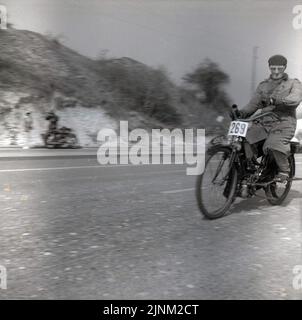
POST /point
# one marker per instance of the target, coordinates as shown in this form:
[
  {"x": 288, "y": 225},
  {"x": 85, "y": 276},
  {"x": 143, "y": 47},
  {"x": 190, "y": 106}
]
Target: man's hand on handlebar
[
  {"x": 268, "y": 104},
  {"x": 268, "y": 101},
  {"x": 276, "y": 99}
]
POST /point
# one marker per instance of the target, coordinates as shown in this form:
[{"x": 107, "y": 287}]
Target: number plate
[{"x": 238, "y": 128}]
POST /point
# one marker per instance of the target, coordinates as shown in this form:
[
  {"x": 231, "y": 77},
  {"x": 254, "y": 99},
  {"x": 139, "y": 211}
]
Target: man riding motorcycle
[
  {"x": 53, "y": 120},
  {"x": 281, "y": 95},
  {"x": 52, "y": 127}
]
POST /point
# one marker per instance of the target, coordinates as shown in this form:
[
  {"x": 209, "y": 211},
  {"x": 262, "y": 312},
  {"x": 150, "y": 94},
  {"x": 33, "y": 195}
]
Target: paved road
[
  {"x": 70, "y": 229},
  {"x": 43, "y": 153}
]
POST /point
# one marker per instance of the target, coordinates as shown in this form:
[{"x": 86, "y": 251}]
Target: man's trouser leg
[
  {"x": 251, "y": 153},
  {"x": 281, "y": 160}
]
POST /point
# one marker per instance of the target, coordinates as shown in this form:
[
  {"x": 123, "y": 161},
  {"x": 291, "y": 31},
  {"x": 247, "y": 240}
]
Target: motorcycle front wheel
[
  {"x": 69, "y": 141},
  {"x": 50, "y": 141},
  {"x": 216, "y": 186}
]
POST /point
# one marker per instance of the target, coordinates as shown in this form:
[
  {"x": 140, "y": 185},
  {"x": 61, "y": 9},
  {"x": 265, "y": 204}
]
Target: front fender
[{"x": 219, "y": 140}]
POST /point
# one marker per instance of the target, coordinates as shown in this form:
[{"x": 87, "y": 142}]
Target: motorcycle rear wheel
[{"x": 277, "y": 192}]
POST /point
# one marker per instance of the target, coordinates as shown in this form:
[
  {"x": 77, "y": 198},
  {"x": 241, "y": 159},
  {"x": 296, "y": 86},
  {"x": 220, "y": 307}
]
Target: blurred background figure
[
  {"x": 28, "y": 126},
  {"x": 51, "y": 117},
  {"x": 53, "y": 121}
]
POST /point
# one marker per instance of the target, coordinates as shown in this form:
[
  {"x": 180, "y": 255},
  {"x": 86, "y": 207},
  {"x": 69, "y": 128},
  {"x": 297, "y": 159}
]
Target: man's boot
[{"x": 283, "y": 166}]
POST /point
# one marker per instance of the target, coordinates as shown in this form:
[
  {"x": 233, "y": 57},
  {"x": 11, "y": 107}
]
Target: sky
[{"x": 175, "y": 34}]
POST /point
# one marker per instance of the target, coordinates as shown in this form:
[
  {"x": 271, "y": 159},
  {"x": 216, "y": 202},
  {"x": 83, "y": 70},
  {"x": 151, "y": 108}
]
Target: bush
[
  {"x": 143, "y": 89},
  {"x": 210, "y": 79}
]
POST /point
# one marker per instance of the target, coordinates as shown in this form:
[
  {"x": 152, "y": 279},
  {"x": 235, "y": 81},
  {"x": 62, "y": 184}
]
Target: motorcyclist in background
[
  {"x": 281, "y": 95},
  {"x": 51, "y": 116},
  {"x": 53, "y": 121}
]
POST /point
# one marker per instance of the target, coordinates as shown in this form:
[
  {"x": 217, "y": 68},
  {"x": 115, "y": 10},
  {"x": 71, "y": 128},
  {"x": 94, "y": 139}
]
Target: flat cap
[{"x": 277, "y": 60}]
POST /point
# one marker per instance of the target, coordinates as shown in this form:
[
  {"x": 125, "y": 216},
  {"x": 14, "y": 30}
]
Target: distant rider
[{"x": 53, "y": 121}]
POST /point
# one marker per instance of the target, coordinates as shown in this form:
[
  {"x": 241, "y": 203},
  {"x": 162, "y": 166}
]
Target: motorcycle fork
[{"x": 233, "y": 154}]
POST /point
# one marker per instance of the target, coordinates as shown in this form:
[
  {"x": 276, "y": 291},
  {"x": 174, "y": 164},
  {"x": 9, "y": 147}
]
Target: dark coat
[
  {"x": 288, "y": 95},
  {"x": 53, "y": 119}
]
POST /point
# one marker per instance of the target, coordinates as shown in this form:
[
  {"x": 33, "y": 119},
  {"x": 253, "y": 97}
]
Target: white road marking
[
  {"x": 179, "y": 190},
  {"x": 56, "y": 168},
  {"x": 81, "y": 167}
]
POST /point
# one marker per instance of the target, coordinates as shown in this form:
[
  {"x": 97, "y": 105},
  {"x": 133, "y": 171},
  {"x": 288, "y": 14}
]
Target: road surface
[{"x": 72, "y": 229}]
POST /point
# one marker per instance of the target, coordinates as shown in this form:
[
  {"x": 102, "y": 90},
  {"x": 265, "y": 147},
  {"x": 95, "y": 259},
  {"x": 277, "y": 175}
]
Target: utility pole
[{"x": 254, "y": 69}]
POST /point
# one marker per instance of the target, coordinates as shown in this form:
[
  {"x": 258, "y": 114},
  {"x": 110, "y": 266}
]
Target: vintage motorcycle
[
  {"x": 228, "y": 172},
  {"x": 60, "y": 138}
]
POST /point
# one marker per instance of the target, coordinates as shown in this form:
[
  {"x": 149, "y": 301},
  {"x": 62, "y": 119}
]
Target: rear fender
[{"x": 293, "y": 163}]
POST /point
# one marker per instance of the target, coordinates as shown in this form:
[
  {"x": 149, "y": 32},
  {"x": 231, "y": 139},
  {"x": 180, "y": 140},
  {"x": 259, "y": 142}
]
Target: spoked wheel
[
  {"x": 71, "y": 141},
  {"x": 216, "y": 186},
  {"x": 50, "y": 141},
  {"x": 277, "y": 192}
]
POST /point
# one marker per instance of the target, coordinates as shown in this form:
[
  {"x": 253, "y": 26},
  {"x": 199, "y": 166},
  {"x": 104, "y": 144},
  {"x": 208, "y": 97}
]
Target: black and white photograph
[{"x": 150, "y": 150}]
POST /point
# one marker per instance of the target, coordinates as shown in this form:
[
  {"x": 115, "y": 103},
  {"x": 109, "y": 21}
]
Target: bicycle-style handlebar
[
  {"x": 236, "y": 112},
  {"x": 253, "y": 118}
]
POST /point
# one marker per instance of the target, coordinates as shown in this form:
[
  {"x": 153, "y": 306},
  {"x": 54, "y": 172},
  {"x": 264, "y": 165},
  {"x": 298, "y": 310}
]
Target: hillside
[{"x": 90, "y": 94}]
